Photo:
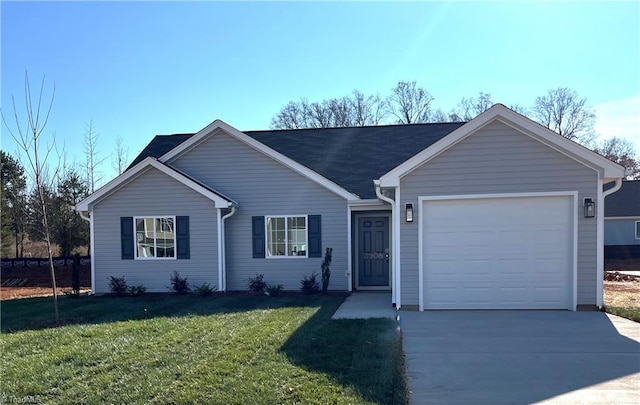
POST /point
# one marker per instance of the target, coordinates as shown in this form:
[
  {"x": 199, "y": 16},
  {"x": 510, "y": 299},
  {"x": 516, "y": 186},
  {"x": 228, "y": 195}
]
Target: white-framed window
[
  {"x": 155, "y": 237},
  {"x": 286, "y": 236},
  {"x": 637, "y": 229}
]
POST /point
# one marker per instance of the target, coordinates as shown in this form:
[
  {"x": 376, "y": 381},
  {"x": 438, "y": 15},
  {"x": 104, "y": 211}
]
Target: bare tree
[
  {"x": 410, "y": 103},
  {"x": 519, "y": 109},
  {"x": 92, "y": 159},
  {"x": 469, "y": 108},
  {"x": 623, "y": 152},
  {"x": 348, "y": 111},
  {"x": 29, "y": 139},
  {"x": 291, "y": 116},
  {"x": 120, "y": 156},
  {"x": 440, "y": 116},
  {"x": 367, "y": 110},
  {"x": 564, "y": 112}
]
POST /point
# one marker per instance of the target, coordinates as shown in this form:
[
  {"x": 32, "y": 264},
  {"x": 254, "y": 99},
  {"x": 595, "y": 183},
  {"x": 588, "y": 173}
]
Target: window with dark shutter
[
  {"x": 315, "y": 236},
  {"x": 182, "y": 237},
  {"x": 126, "y": 237},
  {"x": 257, "y": 226}
]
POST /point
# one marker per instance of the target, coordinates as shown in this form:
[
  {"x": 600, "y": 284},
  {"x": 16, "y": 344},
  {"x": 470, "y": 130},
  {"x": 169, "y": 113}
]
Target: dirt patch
[
  {"x": 624, "y": 294},
  {"x": 617, "y": 276},
  {"x": 9, "y": 293}
]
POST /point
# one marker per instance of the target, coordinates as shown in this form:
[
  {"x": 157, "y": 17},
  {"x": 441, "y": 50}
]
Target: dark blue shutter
[
  {"x": 257, "y": 227},
  {"x": 315, "y": 236},
  {"x": 182, "y": 238},
  {"x": 126, "y": 237}
]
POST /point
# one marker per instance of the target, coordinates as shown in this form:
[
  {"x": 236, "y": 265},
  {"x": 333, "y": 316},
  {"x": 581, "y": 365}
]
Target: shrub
[
  {"x": 274, "y": 290},
  {"x": 205, "y": 290},
  {"x": 326, "y": 272},
  {"x": 257, "y": 283},
  {"x": 180, "y": 285},
  {"x": 136, "y": 290},
  {"x": 118, "y": 285},
  {"x": 310, "y": 285}
]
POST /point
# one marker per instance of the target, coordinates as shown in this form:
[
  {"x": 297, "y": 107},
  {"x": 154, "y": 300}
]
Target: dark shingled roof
[
  {"x": 350, "y": 157},
  {"x": 624, "y": 202},
  {"x": 160, "y": 145}
]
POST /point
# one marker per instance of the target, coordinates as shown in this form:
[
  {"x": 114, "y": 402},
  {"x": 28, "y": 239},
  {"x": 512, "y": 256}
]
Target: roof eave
[
  {"x": 608, "y": 170},
  {"x": 259, "y": 146},
  {"x": 134, "y": 172}
]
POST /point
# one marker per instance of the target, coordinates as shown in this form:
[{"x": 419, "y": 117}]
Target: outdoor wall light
[
  {"x": 408, "y": 207},
  {"x": 589, "y": 208}
]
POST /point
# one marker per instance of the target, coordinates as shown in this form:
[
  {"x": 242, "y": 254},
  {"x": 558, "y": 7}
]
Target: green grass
[
  {"x": 225, "y": 349},
  {"x": 625, "y": 312}
]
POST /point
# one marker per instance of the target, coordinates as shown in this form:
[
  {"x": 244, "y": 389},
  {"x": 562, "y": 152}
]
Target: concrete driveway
[{"x": 521, "y": 357}]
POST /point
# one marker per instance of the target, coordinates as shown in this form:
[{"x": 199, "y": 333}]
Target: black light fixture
[
  {"x": 408, "y": 207},
  {"x": 589, "y": 208}
]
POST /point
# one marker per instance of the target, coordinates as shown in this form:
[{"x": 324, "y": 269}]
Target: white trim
[
  {"x": 574, "y": 256},
  {"x": 395, "y": 241},
  {"x": 368, "y": 205},
  {"x": 395, "y": 228},
  {"x": 223, "y": 242},
  {"x": 500, "y": 195},
  {"x": 277, "y": 156},
  {"x": 635, "y": 217},
  {"x": 220, "y": 252},
  {"x": 286, "y": 236},
  {"x": 421, "y": 201},
  {"x": 609, "y": 169},
  {"x": 135, "y": 237},
  {"x": 350, "y": 257},
  {"x": 599, "y": 245},
  {"x": 139, "y": 169},
  {"x": 92, "y": 249}
]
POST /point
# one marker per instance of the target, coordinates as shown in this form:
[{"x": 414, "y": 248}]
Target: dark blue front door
[{"x": 373, "y": 251}]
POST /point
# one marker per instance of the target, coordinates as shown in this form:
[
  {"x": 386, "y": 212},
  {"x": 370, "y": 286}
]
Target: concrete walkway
[
  {"x": 521, "y": 357},
  {"x": 366, "y": 304}
]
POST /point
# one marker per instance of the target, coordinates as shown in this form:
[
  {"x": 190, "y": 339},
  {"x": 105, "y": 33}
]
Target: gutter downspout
[
  {"x": 613, "y": 189},
  {"x": 224, "y": 250},
  {"x": 86, "y": 215},
  {"x": 396, "y": 281},
  {"x": 600, "y": 238}
]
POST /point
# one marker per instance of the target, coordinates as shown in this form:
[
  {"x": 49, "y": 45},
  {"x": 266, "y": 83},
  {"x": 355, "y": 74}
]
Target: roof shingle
[
  {"x": 624, "y": 202},
  {"x": 350, "y": 157}
]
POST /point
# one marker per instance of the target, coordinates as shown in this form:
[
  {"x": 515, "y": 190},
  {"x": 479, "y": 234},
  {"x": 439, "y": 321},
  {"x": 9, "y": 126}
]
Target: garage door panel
[{"x": 498, "y": 253}]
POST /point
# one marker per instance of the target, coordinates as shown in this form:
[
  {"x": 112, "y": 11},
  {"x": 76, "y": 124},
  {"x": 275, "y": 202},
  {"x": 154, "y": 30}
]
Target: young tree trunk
[
  {"x": 30, "y": 143},
  {"x": 47, "y": 238}
]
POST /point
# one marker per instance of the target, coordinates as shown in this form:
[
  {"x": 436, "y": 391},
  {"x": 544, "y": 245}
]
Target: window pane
[
  {"x": 297, "y": 236},
  {"x": 155, "y": 237},
  {"x": 638, "y": 230},
  {"x": 275, "y": 237},
  {"x": 144, "y": 237}
]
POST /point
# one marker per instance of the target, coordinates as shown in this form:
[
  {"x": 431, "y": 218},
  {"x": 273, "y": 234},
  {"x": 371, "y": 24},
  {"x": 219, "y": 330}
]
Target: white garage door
[{"x": 498, "y": 253}]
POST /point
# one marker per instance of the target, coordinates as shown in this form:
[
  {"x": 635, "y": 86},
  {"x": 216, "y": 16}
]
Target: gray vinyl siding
[
  {"x": 620, "y": 231},
  {"x": 154, "y": 193},
  {"x": 262, "y": 187},
  {"x": 499, "y": 159}
]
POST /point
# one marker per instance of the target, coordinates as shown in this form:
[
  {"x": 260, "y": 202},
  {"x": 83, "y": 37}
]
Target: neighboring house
[
  {"x": 493, "y": 213},
  {"x": 622, "y": 221}
]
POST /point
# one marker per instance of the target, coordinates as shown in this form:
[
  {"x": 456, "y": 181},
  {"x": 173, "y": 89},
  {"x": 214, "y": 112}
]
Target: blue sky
[{"x": 146, "y": 68}]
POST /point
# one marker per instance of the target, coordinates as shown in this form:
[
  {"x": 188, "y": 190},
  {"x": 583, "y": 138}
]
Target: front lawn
[{"x": 227, "y": 349}]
